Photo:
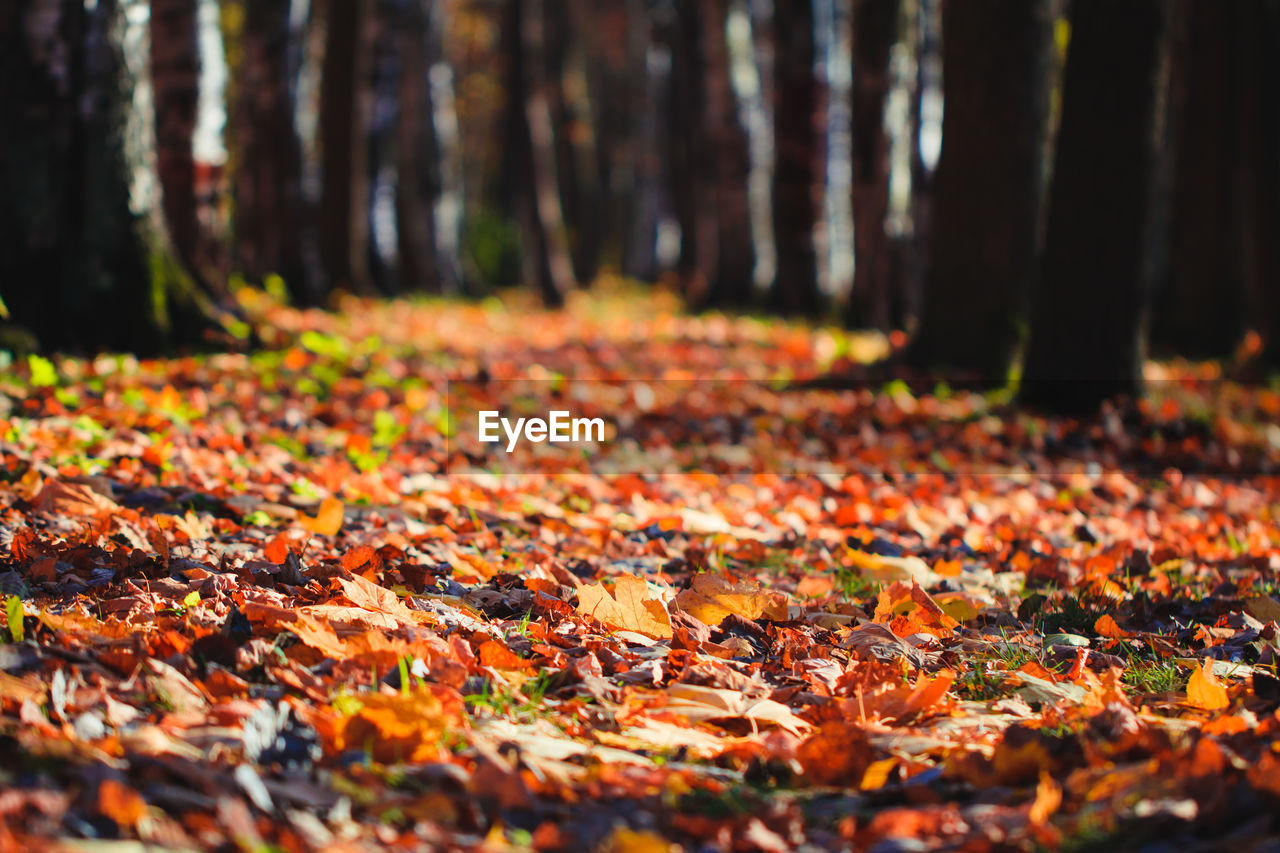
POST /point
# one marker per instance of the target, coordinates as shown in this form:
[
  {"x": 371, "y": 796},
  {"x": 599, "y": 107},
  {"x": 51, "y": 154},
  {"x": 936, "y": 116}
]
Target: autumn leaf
[
  {"x": 73, "y": 499},
  {"x": 627, "y": 606},
  {"x": 122, "y": 805},
  {"x": 1205, "y": 691},
  {"x": 327, "y": 521},
  {"x": 401, "y": 727},
  {"x": 711, "y": 598},
  {"x": 1106, "y": 626}
]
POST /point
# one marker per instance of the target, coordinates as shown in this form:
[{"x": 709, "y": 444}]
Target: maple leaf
[
  {"x": 712, "y": 598},
  {"x": 627, "y": 606}
]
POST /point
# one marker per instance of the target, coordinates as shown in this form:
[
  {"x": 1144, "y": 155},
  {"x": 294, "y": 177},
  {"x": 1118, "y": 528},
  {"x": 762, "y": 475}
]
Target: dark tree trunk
[
  {"x": 577, "y": 155},
  {"x": 630, "y": 139},
  {"x": 726, "y": 163},
  {"x": 1260, "y": 166},
  {"x": 344, "y": 202},
  {"x": 875, "y": 27},
  {"x": 798, "y": 174},
  {"x": 1086, "y": 322},
  {"x": 78, "y": 268},
  {"x": 417, "y": 155},
  {"x": 269, "y": 213},
  {"x": 1199, "y": 312},
  {"x": 691, "y": 198},
  {"x": 987, "y": 188},
  {"x": 175, "y": 80},
  {"x": 533, "y": 165}
]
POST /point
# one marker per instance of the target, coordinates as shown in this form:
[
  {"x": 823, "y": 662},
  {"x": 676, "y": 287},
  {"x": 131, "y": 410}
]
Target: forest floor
[{"x": 248, "y": 605}]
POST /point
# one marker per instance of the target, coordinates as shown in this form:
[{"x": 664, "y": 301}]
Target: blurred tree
[
  {"x": 709, "y": 162},
  {"x": 569, "y": 25},
  {"x": 799, "y": 171},
  {"x": 418, "y": 179},
  {"x": 987, "y": 199},
  {"x": 265, "y": 151},
  {"x": 175, "y": 78},
  {"x": 875, "y": 29},
  {"x": 344, "y": 92},
  {"x": 1086, "y": 321},
  {"x": 86, "y": 258},
  {"x": 1199, "y": 310},
  {"x": 1260, "y": 165},
  {"x": 631, "y": 129},
  {"x": 530, "y": 173}
]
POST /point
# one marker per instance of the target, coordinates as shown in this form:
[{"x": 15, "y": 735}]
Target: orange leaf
[
  {"x": 713, "y": 597},
  {"x": 494, "y": 654},
  {"x": 357, "y": 557},
  {"x": 277, "y": 549},
  {"x": 328, "y": 521},
  {"x": 1205, "y": 691},
  {"x": 627, "y": 607},
  {"x": 1106, "y": 627},
  {"x": 122, "y": 805}
]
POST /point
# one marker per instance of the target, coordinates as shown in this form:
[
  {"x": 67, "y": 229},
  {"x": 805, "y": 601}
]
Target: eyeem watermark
[{"x": 559, "y": 427}]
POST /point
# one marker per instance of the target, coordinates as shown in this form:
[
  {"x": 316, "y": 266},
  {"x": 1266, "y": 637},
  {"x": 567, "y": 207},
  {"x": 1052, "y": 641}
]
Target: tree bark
[
  {"x": 875, "y": 27},
  {"x": 344, "y": 202},
  {"x": 545, "y": 248},
  {"x": 79, "y": 269},
  {"x": 1086, "y": 323},
  {"x": 727, "y": 163},
  {"x": 175, "y": 79},
  {"x": 986, "y": 206},
  {"x": 269, "y": 213},
  {"x": 798, "y": 172},
  {"x": 1260, "y": 167},
  {"x": 417, "y": 156},
  {"x": 1199, "y": 310}
]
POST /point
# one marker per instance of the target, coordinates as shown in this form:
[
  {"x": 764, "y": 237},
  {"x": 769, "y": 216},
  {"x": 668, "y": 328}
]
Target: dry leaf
[
  {"x": 327, "y": 521},
  {"x": 627, "y": 607},
  {"x": 73, "y": 499},
  {"x": 711, "y": 598},
  {"x": 1205, "y": 691}
]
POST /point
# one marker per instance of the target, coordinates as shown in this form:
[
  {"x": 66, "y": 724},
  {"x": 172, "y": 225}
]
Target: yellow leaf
[
  {"x": 877, "y": 775},
  {"x": 712, "y": 598},
  {"x": 328, "y": 521},
  {"x": 623, "y": 840},
  {"x": 628, "y": 607},
  {"x": 1204, "y": 691},
  {"x": 1048, "y": 799}
]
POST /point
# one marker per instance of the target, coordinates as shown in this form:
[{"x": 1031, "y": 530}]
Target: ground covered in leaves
[{"x": 252, "y": 603}]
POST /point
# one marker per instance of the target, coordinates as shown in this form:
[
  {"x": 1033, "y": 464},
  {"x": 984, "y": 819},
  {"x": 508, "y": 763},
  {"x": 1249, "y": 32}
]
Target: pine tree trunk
[
  {"x": 1087, "y": 312},
  {"x": 987, "y": 190},
  {"x": 875, "y": 26},
  {"x": 798, "y": 172},
  {"x": 630, "y": 140},
  {"x": 1199, "y": 311},
  {"x": 269, "y": 213}
]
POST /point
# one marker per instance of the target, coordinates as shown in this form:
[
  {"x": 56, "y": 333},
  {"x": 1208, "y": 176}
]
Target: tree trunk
[
  {"x": 545, "y": 248},
  {"x": 1199, "y": 312},
  {"x": 987, "y": 196},
  {"x": 175, "y": 79},
  {"x": 417, "y": 155},
  {"x": 344, "y": 202},
  {"x": 1086, "y": 323},
  {"x": 630, "y": 140},
  {"x": 875, "y": 26},
  {"x": 266, "y": 156},
  {"x": 727, "y": 163},
  {"x": 798, "y": 172},
  {"x": 80, "y": 269},
  {"x": 1260, "y": 166},
  {"x": 691, "y": 193}
]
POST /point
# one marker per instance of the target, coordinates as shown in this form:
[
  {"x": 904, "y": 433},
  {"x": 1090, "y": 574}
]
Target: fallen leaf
[
  {"x": 712, "y": 598},
  {"x": 327, "y": 521},
  {"x": 1205, "y": 691},
  {"x": 627, "y": 606}
]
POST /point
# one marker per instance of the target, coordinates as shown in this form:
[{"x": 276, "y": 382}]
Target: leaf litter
[{"x": 246, "y": 607}]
